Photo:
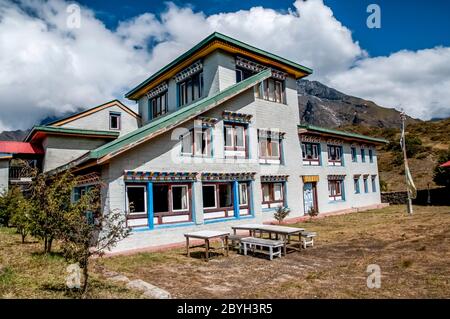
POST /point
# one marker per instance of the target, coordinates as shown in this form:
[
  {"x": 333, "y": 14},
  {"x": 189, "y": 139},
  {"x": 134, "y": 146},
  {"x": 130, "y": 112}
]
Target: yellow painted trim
[
  {"x": 310, "y": 178},
  {"x": 95, "y": 110},
  {"x": 215, "y": 45}
]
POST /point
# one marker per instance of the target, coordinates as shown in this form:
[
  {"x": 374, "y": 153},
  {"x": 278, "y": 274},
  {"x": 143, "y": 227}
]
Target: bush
[
  {"x": 441, "y": 175},
  {"x": 281, "y": 213},
  {"x": 312, "y": 212},
  {"x": 9, "y": 203}
]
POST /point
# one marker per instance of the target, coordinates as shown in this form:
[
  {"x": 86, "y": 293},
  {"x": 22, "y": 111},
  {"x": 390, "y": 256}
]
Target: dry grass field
[{"x": 413, "y": 253}]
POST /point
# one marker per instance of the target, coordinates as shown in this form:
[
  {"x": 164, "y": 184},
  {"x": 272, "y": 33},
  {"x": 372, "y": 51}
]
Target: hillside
[{"x": 427, "y": 140}]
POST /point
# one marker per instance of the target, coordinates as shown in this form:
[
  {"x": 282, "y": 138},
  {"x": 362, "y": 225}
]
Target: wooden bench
[
  {"x": 258, "y": 245},
  {"x": 307, "y": 238},
  {"x": 235, "y": 240}
]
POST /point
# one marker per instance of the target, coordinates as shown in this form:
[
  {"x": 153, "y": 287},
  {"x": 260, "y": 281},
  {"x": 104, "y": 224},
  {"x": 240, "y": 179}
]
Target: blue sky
[{"x": 410, "y": 25}]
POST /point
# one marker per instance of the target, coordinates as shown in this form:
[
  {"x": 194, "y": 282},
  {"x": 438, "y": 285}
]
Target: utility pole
[{"x": 408, "y": 178}]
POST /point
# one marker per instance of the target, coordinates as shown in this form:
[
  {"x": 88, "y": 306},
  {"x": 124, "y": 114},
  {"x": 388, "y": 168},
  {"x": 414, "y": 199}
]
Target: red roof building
[{"x": 11, "y": 147}]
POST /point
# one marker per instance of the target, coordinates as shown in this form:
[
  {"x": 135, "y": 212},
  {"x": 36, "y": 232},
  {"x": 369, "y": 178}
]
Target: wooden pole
[{"x": 405, "y": 161}]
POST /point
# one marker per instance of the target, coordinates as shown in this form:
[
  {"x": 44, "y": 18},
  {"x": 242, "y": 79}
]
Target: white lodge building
[{"x": 217, "y": 142}]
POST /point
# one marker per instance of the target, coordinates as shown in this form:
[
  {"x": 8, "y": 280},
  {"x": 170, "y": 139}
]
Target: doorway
[{"x": 310, "y": 196}]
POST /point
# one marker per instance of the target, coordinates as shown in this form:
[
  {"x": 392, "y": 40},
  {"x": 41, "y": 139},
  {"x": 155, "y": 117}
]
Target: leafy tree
[
  {"x": 9, "y": 203},
  {"x": 281, "y": 213},
  {"x": 442, "y": 174},
  {"x": 20, "y": 217},
  {"x": 84, "y": 237},
  {"x": 51, "y": 201}
]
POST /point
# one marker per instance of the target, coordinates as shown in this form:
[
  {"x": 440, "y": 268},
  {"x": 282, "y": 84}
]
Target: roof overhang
[
  {"x": 218, "y": 41},
  {"x": 40, "y": 132},
  {"x": 21, "y": 148},
  {"x": 346, "y": 136}
]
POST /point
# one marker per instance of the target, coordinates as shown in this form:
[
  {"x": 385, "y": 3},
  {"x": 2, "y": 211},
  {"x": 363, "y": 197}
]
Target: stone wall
[{"x": 435, "y": 196}]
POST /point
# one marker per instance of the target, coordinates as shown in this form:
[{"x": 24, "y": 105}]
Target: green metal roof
[
  {"x": 222, "y": 37},
  {"x": 70, "y": 131},
  {"x": 323, "y": 130},
  {"x": 177, "y": 117}
]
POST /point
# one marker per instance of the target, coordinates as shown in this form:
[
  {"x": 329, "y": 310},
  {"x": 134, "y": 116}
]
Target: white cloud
[{"x": 47, "y": 68}]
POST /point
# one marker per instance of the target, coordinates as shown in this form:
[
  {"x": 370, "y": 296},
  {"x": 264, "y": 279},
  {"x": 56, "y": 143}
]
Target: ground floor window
[
  {"x": 136, "y": 203},
  {"x": 272, "y": 194},
  {"x": 374, "y": 184},
  {"x": 356, "y": 184},
  {"x": 171, "y": 203},
  {"x": 366, "y": 185},
  {"x": 336, "y": 190}
]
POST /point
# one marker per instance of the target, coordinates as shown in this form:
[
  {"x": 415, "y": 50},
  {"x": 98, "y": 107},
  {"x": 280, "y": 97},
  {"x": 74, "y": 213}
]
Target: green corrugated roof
[
  {"x": 178, "y": 116},
  {"x": 324, "y": 130},
  {"x": 64, "y": 130},
  {"x": 204, "y": 42}
]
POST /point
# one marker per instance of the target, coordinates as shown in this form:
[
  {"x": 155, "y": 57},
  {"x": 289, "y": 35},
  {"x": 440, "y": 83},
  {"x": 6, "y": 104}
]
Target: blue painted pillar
[
  {"x": 236, "y": 199},
  {"x": 150, "y": 205}
]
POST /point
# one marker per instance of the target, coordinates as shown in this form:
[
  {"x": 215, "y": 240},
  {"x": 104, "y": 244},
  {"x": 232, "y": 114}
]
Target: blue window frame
[
  {"x": 371, "y": 155},
  {"x": 374, "y": 184},
  {"x": 366, "y": 186},
  {"x": 356, "y": 184},
  {"x": 354, "y": 156},
  {"x": 363, "y": 155}
]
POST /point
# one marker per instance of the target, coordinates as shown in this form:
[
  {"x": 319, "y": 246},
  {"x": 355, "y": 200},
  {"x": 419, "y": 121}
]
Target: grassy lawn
[
  {"x": 27, "y": 273},
  {"x": 413, "y": 253}
]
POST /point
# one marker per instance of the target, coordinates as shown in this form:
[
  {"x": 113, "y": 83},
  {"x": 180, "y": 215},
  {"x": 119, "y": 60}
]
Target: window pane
[
  {"x": 225, "y": 195},
  {"x": 160, "y": 198},
  {"x": 243, "y": 194},
  {"x": 179, "y": 198},
  {"x": 277, "y": 191},
  {"x": 266, "y": 192},
  {"x": 114, "y": 121},
  {"x": 136, "y": 199},
  {"x": 275, "y": 148},
  {"x": 238, "y": 76},
  {"x": 228, "y": 136},
  {"x": 198, "y": 142},
  {"x": 186, "y": 143},
  {"x": 209, "y": 196},
  {"x": 263, "y": 147},
  {"x": 240, "y": 136},
  {"x": 278, "y": 90}
]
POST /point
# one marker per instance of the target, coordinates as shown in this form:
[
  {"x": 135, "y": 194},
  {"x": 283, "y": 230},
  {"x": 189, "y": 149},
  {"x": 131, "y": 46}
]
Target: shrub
[
  {"x": 383, "y": 186},
  {"x": 281, "y": 213},
  {"x": 312, "y": 212}
]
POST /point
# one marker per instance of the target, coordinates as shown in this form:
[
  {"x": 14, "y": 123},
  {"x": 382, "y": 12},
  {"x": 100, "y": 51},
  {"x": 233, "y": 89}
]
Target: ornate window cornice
[
  {"x": 236, "y": 117},
  {"x": 157, "y": 90},
  {"x": 263, "y": 133},
  {"x": 189, "y": 71},
  {"x": 256, "y": 67},
  {"x": 159, "y": 176}
]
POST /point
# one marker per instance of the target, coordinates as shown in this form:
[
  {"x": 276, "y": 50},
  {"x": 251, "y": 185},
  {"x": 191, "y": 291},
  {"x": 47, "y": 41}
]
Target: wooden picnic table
[
  {"x": 207, "y": 235},
  {"x": 283, "y": 231}
]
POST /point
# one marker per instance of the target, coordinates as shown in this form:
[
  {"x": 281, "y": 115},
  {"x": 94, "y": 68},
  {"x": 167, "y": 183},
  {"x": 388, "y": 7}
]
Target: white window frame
[
  {"x": 240, "y": 185},
  {"x": 215, "y": 195},
  {"x": 187, "y": 197},
  {"x": 118, "y": 116},
  {"x": 145, "y": 199}
]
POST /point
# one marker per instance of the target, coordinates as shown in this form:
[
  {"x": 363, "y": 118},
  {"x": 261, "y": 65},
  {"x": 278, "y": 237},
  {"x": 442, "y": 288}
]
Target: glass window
[
  {"x": 363, "y": 155},
  {"x": 186, "y": 143},
  {"x": 356, "y": 184},
  {"x": 334, "y": 153},
  {"x": 225, "y": 195},
  {"x": 269, "y": 148},
  {"x": 179, "y": 198},
  {"x": 243, "y": 194},
  {"x": 310, "y": 151},
  {"x": 158, "y": 105},
  {"x": 209, "y": 196},
  {"x": 354, "y": 158},
  {"x": 190, "y": 89},
  {"x": 277, "y": 191},
  {"x": 366, "y": 186},
  {"x": 371, "y": 155},
  {"x": 266, "y": 192},
  {"x": 136, "y": 198},
  {"x": 374, "y": 184},
  {"x": 114, "y": 121},
  {"x": 197, "y": 142},
  {"x": 335, "y": 189},
  {"x": 229, "y": 136},
  {"x": 160, "y": 198},
  {"x": 240, "y": 136},
  {"x": 271, "y": 90}
]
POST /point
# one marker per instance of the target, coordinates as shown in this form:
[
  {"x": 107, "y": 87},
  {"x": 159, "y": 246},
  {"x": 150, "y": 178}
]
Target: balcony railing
[{"x": 19, "y": 174}]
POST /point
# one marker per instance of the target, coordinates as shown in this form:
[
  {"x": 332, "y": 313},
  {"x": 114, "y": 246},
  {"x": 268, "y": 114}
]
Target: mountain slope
[{"x": 324, "y": 106}]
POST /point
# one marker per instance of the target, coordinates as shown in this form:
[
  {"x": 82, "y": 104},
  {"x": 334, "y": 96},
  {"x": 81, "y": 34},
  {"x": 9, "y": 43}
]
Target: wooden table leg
[
  {"x": 285, "y": 244},
  {"x": 226, "y": 246},
  {"x": 207, "y": 249},
  {"x": 187, "y": 247}
]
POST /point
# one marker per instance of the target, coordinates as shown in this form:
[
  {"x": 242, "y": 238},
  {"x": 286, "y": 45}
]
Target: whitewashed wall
[{"x": 4, "y": 175}]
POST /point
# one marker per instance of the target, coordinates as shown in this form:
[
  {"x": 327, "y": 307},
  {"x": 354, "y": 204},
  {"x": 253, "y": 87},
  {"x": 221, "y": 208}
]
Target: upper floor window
[
  {"x": 354, "y": 157},
  {"x": 334, "y": 155},
  {"x": 190, "y": 89},
  {"x": 114, "y": 121},
  {"x": 370, "y": 155},
  {"x": 271, "y": 90},
  {"x": 158, "y": 105},
  {"x": 311, "y": 153},
  {"x": 269, "y": 148},
  {"x": 363, "y": 155},
  {"x": 235, "y": 140},
  {"x": 242, "y": 74},
  {"x": 197, "y": 142}
]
